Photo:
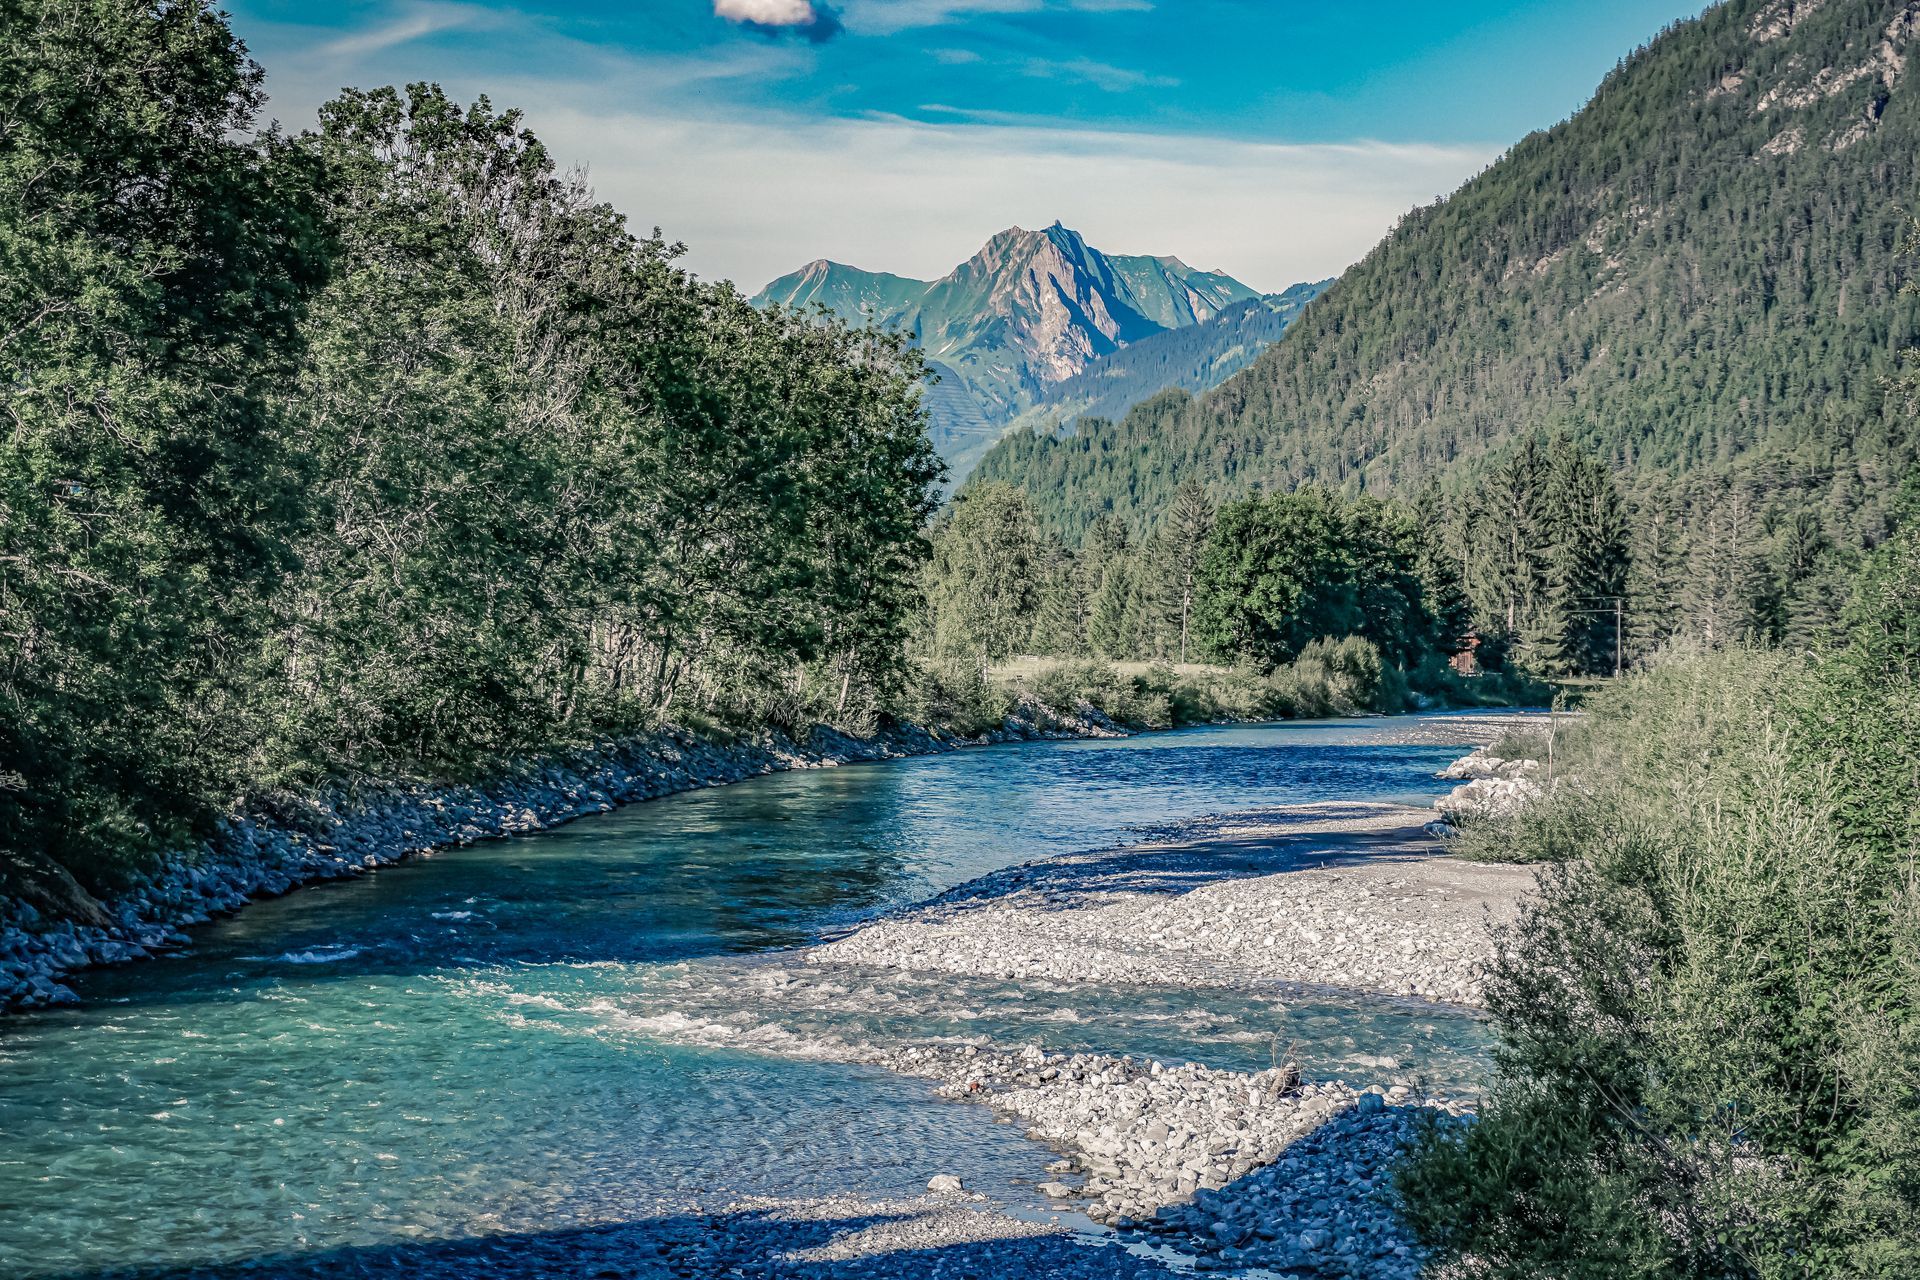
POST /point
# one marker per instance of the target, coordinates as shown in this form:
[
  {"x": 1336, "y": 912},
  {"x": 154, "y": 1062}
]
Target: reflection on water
[{"x": 574, "y": 1027}]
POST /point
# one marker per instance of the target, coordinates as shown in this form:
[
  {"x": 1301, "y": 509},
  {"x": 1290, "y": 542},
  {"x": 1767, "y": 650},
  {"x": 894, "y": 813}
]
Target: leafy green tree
[
  {"x": 1275, "y": 576},
  {"x": 153, "y": 262},
  {"x": 984, "y": 580}
]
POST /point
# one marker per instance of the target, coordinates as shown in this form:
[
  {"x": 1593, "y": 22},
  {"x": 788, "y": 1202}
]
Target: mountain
[
  {"x": 1696, "y": 275},
  {"x": 1194, "y": 359},
  {"x": 1030, "y": 310}
]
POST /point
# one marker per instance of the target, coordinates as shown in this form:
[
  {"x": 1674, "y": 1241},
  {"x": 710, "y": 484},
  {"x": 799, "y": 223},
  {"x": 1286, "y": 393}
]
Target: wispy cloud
[
  {"x": 1100, "y": 75},
  {"x": 756, "y": 199},
  {"x": 416, "y": 22},
  {"x": 757, "y": 189},
  {"x": 886, "y": 17},
  {"x": 809, "y": 18}
]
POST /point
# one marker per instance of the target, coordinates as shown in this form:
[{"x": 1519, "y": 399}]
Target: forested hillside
[{"x": 1695, "y": 277}]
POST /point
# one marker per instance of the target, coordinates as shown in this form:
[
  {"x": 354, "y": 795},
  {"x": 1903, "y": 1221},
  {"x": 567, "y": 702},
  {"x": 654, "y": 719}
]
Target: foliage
[
  {"x": 1285, "y": 570},
  {"x": 388, "y": 452},
  {"x": 1708, "y": 1020},
  {"x": 983, "y": 579},
  {"x": 601, "y": 488},
  {"x": 152, "y": 265},
  {"x": 1542, "y": 551},
  {"x": 1331, "y": 678}
]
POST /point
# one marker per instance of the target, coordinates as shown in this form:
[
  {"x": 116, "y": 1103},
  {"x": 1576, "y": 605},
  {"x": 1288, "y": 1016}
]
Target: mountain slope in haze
[
  {"x": 1031, "y": 309},
  {"x": 1697, "y": 274},
  {"x": 1193, "y": 359}
]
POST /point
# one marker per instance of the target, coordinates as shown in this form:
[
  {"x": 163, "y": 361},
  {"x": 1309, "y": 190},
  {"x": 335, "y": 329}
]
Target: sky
[{"x": 1276, "y": 140}]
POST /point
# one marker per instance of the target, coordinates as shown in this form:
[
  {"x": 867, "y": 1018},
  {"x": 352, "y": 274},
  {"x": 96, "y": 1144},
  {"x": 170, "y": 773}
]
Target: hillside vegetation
[{"x": 1695, "y": 277}]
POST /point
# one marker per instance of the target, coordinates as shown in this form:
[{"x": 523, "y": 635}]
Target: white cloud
[
  {"x": 800, "y": 15},
  {"x": 768, "y": 13}
]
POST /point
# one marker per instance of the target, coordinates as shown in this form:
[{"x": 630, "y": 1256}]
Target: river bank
[{"x": 338, "y": 837}]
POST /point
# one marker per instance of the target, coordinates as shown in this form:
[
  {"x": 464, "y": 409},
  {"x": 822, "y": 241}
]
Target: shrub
[
  {"x": 1708, "y": 1019},
  {"x": 953, "y": 694},
  {"x": 1338, "y": 677}
]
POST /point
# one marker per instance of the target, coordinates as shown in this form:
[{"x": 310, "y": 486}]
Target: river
[{"x": 588, "y": 1025}]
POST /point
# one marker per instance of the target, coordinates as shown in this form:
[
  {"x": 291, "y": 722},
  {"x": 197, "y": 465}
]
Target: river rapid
[{"x": 596, "y": 1025}]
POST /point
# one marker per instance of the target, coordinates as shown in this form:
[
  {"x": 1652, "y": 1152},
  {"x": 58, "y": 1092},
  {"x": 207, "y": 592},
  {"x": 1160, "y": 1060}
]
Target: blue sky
[{"x": 1273, "y": 139}]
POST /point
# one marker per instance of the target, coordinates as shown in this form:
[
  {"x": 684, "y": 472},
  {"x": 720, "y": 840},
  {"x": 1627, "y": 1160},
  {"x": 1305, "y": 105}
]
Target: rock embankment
[
  {"x": 1490, "y": 786},
  {"x": 344, "y": 836},
  {"x": 1354, "y": 896}
]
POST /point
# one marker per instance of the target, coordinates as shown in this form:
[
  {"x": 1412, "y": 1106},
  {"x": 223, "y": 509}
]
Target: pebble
[{"x": 1413, "y": 925}]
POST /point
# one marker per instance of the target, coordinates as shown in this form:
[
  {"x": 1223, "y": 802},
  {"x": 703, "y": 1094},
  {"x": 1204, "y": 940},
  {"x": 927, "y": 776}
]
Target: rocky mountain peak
[{"x": 1028, "y": 310}]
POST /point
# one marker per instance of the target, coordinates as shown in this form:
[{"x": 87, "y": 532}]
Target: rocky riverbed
[
  {"x": 1358, "y": 896},
  {"x": 1491, "y": 786},
  {"x": 1232, "y": 1170},
  {"x": 335, "y": 837}
]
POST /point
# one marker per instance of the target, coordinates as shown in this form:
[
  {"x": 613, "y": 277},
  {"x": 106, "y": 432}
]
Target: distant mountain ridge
[
  {"x": 1697, "y": 275},
  {"x": 1030, "y": 311}
]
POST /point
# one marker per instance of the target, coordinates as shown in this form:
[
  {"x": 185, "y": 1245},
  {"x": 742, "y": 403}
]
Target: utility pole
[{"x": 1619, "y": 629}]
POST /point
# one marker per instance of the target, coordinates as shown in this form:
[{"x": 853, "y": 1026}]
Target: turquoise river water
[{"x": 581, "y": 1027}]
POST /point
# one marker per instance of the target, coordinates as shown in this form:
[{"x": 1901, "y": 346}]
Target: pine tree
[
  {"x": 1655, "y": 576},
  {"x": 1060, "y": 625},
  {"x": 1589, "y": 560},
  {"x": 1442, "y": 586},
  {"x": 1113, "y": 621},
  {"x": 1513, "y": 574},
  {"x": 1725, "y": 580},
  {"x": 1184, "y": 534}
]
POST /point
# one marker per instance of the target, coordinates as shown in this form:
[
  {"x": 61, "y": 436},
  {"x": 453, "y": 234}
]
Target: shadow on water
[{"x": 745, "y": 1243}]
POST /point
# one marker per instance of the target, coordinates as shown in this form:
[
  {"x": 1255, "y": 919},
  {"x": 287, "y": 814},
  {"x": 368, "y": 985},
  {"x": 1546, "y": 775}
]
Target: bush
[
  {"x": 1709, "y": 1019},
  {"x": 1338, "y": 678},
  {"x": 953, "y": 695}
]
